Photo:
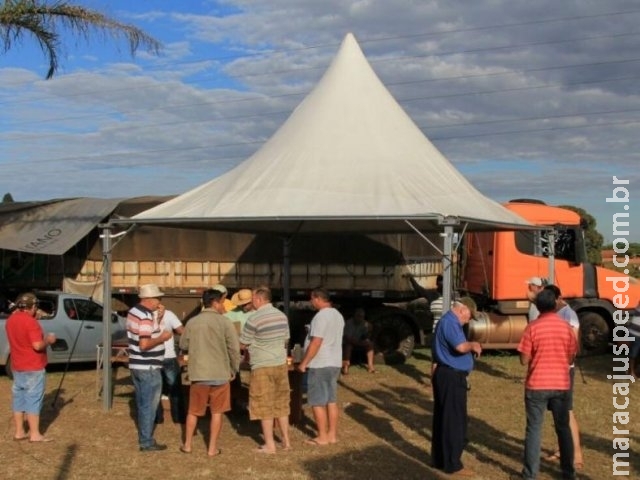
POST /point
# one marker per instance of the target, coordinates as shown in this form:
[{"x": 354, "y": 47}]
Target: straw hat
[
  {"x": 150, "y": 290},
  {"x": 242, "y": 297}
]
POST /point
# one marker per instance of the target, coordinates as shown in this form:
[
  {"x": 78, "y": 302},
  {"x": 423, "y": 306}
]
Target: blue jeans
[
  {"x": 148, "y": 387},
  {"x": 322, "y": 386},
  {"x": 172, "y": 386},
  {"x": 537, "y": 402},
  {"x": 28, "y": 391}
]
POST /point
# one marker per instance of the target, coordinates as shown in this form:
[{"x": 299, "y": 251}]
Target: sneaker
[{"x": 156, "y": 447}]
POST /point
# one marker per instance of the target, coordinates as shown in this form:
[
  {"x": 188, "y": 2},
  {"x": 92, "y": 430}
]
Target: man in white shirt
[
  {"x": 171, "y": 374},
  {"x": 564, "y": 311},
  {"x": 323, "y": 359},
  {"x": 534, "y": 286}
]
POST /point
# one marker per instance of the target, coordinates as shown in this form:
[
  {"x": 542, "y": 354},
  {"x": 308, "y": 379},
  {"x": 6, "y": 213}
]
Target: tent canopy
[{"x": 348, "y": 159}]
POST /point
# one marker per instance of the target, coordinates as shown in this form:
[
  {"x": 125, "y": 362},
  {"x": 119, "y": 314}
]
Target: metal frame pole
[{"x": 106, "y": 320}]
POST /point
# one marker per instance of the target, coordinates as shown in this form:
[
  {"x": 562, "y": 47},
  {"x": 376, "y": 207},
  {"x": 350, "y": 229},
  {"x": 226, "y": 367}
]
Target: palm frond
[{"x": 43, "y": 20}]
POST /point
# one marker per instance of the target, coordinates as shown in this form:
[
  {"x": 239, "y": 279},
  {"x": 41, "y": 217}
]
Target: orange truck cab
[{"x": 498, "y": 264}]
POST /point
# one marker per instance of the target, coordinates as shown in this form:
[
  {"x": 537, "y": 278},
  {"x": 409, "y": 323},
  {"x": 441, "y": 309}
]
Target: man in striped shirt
[
  {"x": 548, "y": 346},
  {"x": 266, "y": 334},
  {"x": 146, "y": 353}
]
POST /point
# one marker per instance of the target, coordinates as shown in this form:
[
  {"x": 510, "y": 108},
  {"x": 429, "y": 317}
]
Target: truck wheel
[
  {"x": 594, "y": 334},
  {"x": 7, "y": 368},
  {"x": 394, "y": 337}
]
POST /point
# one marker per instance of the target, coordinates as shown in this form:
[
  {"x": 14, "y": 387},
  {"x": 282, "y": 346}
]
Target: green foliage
[
  {"x": 43, "y": 20},
  {"x": 7, "y": 198},
  {"x": 633, "y": 251},
  {"x": 593, "y": 240}
]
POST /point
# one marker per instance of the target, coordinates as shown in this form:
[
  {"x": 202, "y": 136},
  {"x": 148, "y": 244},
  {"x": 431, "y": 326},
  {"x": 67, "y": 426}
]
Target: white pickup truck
[{"x": 75, "y": 320}]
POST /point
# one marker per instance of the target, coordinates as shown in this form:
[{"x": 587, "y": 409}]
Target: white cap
[
  {"x": 220, "y": 288},
  {"x": 537, "y": 281}
]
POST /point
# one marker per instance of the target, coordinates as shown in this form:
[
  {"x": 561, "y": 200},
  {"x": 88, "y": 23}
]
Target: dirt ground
[{"x": 385, "y": 430}]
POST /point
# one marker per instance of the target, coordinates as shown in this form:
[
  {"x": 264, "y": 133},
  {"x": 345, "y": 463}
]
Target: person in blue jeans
[
  {"x": 547, "y": 348},
  {"x": 28, "y": 345},
  {"x": 146, "y": 352},
  {"x": 171, "y": 372}
]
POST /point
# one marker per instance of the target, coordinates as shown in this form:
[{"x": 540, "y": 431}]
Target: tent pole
[
  {"x": 551, "y": 236},
  {"x": 286, "y": 274},
  {"x": 106, "y": 318},
  {"x": 447, "y": 263}
]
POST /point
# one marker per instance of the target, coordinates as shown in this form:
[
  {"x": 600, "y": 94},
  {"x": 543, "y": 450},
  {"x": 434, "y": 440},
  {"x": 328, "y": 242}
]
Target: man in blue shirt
[{"x": 453, "y": 360}]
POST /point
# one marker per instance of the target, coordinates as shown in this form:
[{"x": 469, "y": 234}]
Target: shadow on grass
[
  {"x": 488, "y": 445},
  {"x": 371, "y": 462},
  {"x": 52, "y": 405},
  {"x": 67, "y": 462}
]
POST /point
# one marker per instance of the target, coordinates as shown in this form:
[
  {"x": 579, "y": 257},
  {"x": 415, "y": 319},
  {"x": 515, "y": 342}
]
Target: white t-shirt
[
  {"x": 170, "y": 322},
  {"x": 327, "y": 324},
  {"x": 569, "y": 315}
]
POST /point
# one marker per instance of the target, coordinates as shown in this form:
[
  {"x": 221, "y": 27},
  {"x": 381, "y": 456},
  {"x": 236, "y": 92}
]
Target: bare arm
[
  {"x": 312, "y": 351},
  {"x": 524, "y": 359},
  {"x": 467, "y": 347},
  {"x": 147, "y": 343},
  {"x": 41, "y": 345}
]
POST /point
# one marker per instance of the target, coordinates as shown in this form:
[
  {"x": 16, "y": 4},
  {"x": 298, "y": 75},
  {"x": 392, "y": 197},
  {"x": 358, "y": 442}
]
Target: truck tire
[
  {"x": 595, "y": 334},
  {"x": 393, "y": 335}
]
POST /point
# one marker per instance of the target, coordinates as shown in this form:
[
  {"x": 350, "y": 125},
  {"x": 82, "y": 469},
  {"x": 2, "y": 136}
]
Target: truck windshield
[{"x": 537, "y": 243}]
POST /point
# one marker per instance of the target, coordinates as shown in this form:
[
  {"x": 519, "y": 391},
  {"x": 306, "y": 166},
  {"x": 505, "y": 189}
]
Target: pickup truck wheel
[
  {"x": 7, "y": 368},
  {"x": 594, "y": 334}
]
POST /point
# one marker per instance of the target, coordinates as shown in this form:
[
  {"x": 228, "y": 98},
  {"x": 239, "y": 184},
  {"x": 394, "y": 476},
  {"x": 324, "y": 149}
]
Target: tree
[
  {"x": 44, "y": 19},
  {"x": 593, "y": 240},
  {"x": 8, "y": 198}
]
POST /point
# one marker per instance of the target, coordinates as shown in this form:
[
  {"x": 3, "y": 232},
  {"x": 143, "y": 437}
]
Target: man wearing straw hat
[
  {"x": 146, "y": 353},
  {"x": 243, "y": 308}
]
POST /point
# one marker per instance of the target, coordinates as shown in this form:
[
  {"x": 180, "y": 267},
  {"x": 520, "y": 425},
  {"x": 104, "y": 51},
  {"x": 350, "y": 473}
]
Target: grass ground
[{"x": 385, "y": 430}]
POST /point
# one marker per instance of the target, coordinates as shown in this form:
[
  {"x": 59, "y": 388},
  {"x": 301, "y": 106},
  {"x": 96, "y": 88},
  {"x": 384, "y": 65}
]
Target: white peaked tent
[{"x": 348, "y": 159}]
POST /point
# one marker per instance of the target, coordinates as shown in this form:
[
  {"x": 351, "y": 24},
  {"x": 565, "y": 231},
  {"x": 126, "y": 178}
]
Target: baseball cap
[
  {"x": 537, "y": 281},
  {"x": 220, "y": 288},
  {"x": 470, "y": 304},
  {"x": 26, "y": 300}
]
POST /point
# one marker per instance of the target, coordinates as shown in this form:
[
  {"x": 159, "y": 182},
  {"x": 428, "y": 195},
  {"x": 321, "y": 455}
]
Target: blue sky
[{"x": 527, "y": 99}]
